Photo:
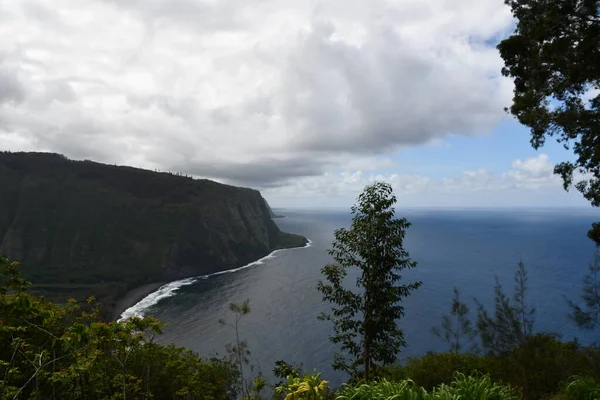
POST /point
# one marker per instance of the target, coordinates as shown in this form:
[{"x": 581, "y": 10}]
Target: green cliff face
[{"x": 82, "y": 228}]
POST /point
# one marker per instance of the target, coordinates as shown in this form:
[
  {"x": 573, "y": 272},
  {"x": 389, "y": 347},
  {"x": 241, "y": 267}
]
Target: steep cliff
[
  {"x": 82, "y": 228},
  {"x": 271, "y": 213}
]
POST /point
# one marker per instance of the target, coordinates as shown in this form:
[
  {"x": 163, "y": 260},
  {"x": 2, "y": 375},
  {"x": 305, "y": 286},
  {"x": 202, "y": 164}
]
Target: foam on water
[
  {"x": 153, "y": 298},
  {"x": 170, "y": 289}
]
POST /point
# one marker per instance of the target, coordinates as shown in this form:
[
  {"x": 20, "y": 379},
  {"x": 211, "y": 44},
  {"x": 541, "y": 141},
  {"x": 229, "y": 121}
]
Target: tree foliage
[
  {"x": 365, "y": 322},
  {"x": 554, "y": 58},
  {"x": 512, "y": 321},
  {"x": 239, "y": 351},
  {"x": 539, "y": 367},
  {"x": 588, "y": 316},
  {"x": 49, "y": 351},
  {"x": 525, "y": 313},
  {"x": 456, "y": 328}
]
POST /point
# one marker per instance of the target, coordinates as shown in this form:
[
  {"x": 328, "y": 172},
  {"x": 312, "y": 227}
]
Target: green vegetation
[
  {"x": 583, "y": 388},
  {"x": 49, "y": 351},
  {"x": 375, "y": 245},
  {"x": 456, "y": 328},
  {"x": 537, "y": 368},
  {"x": 512, "y": 322},
  {"x": 588, "y": 316},
  {"x": 312, "y": 387},
  {"x": 239, "y": 352},
  {"x": 512, "y": 355},
  {"x": 85, "y": 228},
  {"x": 540, "y": 368},
  {"x": 553, "y": 57},
  {"x": 82, "y": 228},
  {"x": 309, "y": 387},
  {"x": 462, "y": 387}
]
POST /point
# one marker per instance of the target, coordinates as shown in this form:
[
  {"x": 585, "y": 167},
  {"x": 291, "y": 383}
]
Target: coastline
[
  {"x": 136, "y": 295},
  {"x": 132, "y": 297}
]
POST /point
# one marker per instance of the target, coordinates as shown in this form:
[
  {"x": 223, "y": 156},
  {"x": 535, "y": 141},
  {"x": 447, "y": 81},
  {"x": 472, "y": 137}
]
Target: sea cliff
[{"x": 83, "y": 228}]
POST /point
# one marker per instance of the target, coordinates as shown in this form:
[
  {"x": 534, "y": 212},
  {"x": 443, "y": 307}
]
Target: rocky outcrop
[{"x": 96, "y": 228}]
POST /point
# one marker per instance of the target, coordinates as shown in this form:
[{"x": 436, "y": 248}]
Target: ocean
[{"x": 462, "y": 248}]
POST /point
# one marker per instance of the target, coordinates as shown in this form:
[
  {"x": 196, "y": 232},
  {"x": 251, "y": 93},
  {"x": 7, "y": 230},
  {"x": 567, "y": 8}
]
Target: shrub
[
  {"x": 583, "y": 388},
  {"x": 383, "y": 390},
  {"x": 308, "y": 387},
  {"x": 469, "y": 387},
  {"x": 435, "y": 369},
  {"x": 540, "y": 366},
  {"x": 49, "y": 351},
  {"x": 462, "y": 387}
]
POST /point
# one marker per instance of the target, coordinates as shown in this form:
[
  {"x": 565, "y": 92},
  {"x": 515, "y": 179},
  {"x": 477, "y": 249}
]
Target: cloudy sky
[{"x": 307, "y": 101}]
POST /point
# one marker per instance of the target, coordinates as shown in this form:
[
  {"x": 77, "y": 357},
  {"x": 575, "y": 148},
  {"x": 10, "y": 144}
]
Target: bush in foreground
[
  {"x": 538, "y": 368},
  {"x": 49, "y": 351},
  {"x": 462, "y": 387}
]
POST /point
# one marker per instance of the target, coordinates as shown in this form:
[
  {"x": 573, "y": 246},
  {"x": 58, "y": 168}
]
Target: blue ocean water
[{"x": 462, "y": 248}]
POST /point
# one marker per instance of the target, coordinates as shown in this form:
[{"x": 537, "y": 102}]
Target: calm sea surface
[{"x": 462, "y": 248}]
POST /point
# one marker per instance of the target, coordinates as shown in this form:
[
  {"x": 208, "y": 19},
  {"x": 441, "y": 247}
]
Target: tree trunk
[
  {"x": 367, "y": 334},
  {"x": 124, "y": 386},
  {"x": 240, "y": 357}
]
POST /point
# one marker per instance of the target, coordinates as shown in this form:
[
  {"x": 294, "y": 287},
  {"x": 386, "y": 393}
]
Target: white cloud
[
  {"x": 528, "y": 182},
  {"x": 533, "y": 173},
  {"x": 251, "y": 92},
  {"x": 537, "y": 166}
]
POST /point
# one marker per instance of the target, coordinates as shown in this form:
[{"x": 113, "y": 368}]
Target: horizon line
[{"x": 506, "y": 208}]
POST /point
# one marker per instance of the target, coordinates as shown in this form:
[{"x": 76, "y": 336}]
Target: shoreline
[{"x": 134, "y": 296}]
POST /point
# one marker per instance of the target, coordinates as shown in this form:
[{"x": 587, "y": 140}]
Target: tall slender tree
[
  {"x": 525, "y": 314},
  {"x": 239, "y": 352},
  {"x": 456, "y": 328},
  {"x": 365, "y": 321},
  {"x": 588, "y": 316},
  {"x": 512, "y": 321}
]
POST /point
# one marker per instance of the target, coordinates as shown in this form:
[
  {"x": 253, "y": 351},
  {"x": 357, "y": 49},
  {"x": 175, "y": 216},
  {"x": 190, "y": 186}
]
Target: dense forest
[{"x": 82, "y": 228}]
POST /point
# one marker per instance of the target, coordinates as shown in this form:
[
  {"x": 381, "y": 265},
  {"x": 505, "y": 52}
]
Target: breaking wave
[{"x": 170, "y": 289}]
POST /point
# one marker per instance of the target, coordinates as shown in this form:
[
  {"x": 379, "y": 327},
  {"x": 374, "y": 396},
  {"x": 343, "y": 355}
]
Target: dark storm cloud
[{"x": 262, "y": 174}]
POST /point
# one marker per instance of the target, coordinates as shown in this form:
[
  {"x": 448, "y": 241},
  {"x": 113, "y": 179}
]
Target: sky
[{"x": 306, "y": 101}]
